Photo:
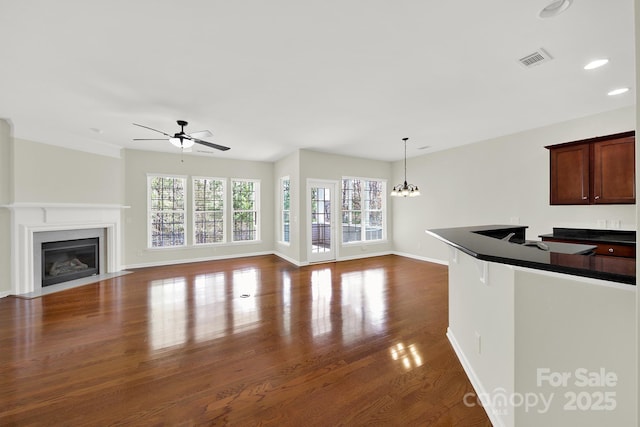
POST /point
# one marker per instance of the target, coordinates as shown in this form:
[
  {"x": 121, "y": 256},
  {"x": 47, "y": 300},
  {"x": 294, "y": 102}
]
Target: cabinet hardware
[
  {"x": 610, "y": 250},
  {"x": 602, "y": 167}
]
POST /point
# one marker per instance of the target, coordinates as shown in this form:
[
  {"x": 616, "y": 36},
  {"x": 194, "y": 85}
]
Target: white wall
[
  {"x": 574, "y": 326},
  {"x": 51, "y": 174},
  {"x": 481, "y": 326},
  {"x": 506, "y": 323},
  {"x": 499, "y": 181},
  {"x": 288, "y": 166},
  {"x": 6, "y": 197},
  {"x": 140, "y": 163}
]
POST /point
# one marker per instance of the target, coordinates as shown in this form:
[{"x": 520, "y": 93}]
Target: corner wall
[{"x": 288, "y": 166}]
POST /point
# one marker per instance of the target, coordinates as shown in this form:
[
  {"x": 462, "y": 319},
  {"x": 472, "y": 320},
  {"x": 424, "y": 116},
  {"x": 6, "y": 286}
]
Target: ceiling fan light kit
[
  {"x": 181, "y": 143},
  {"x": 183, "y": 140}
]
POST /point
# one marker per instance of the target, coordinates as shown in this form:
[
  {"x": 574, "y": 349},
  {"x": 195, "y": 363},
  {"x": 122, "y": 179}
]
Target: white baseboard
[
  {"x": 278, "y": 254},
  {"x": 365, "y": 255},
  {"x": 4, "y": 294},
  {"x": 473, "y": 378},
  {"x": 421, "y": 258},
  {"x": 190, "y": 260},
  {"x": 291, "y": 260}
]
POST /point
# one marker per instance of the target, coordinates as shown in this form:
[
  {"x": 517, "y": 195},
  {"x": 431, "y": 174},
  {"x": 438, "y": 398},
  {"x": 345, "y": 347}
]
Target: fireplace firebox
[{"x": 69, "y": 260}]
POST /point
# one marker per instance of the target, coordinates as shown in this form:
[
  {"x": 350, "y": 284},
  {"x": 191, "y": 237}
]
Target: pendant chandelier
[{"x": 405, "y": 189}]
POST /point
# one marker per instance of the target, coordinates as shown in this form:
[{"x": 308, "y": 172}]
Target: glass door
[{"x": 321, "y": 231}]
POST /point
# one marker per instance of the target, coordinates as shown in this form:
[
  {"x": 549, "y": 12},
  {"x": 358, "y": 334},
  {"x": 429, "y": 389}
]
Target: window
[
  {"x": 246, "y": 196},
  {"x": 167, "y": 203},
  {"x": 208, "y": 210},
  {"x": 363, "y": 210},
  {"x": 285, "y": 208}
]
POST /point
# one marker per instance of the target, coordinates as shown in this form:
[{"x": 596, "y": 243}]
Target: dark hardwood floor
[{"x": 249, "y": 341}]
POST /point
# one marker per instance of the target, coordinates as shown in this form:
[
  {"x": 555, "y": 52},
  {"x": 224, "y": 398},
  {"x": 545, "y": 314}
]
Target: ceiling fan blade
[
  {"x": 149, "y": 139},
  {"x": 210, "y": 144},
  {"x": 201, "y": 134},
  {"x": 155, "y": 130}
]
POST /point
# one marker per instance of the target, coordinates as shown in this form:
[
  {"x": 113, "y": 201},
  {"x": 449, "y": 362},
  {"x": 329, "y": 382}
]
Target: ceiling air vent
[{"x": 535, "y": 58}]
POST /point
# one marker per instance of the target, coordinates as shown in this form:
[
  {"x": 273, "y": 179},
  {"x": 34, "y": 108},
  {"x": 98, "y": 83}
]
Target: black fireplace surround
[{"x": 69, "y": 260}]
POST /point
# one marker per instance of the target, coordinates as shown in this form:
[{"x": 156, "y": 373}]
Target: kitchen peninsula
[
  {"x": 488, "y": 243},
  {"x": 522, "y": 312}
]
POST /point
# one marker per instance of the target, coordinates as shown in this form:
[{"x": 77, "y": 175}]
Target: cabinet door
[
  {"x": 570, "y": 175},
  {"x": 613, "y": 171},
  {"x": 602, "y": 248}
]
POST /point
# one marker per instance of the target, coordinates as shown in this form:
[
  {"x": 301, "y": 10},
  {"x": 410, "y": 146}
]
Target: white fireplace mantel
[{"x": 30, "y": 218}]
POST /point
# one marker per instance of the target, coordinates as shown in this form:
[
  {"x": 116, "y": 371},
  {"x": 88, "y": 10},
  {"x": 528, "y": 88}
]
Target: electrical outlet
[
  {"x": 614, "y": 223},
  {"x": 478, "y": 343},
  {"x": 602, "y": 223},
  {"x": 514, "y": 220}
]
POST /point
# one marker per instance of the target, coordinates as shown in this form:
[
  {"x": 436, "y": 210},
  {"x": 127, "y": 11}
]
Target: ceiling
[{"x": 351, "y": 77}]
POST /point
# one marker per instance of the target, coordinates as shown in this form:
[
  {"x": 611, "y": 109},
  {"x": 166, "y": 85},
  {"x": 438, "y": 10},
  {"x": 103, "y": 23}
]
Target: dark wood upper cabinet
[
  {"x": 593, "y": 171},
  {"x": 613, "y": 171},
  {"x": 570, "y": 175}
]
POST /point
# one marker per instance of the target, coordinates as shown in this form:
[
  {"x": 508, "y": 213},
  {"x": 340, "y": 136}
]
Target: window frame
[
  {"x": 256, "y": 209},
  {"x": 364, "y": 211},
  {"x": 150, "y": 211},
  {"x": 194, "y": 211},
  {"x": 284, "y": 211}
]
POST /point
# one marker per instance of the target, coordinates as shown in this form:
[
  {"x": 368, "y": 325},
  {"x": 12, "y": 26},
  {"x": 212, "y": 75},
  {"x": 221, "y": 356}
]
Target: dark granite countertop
[
  {"x": 620, "y": 237},
  {"x": 484, "y": 243}
]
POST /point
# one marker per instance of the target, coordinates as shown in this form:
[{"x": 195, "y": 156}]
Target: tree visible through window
[
  {"x": 363, "y": 210},
  {"x": 285, "y": 185},
  {"x": 208, "y": 211},
  {"x": 166, "y": 211},
  {"x": 245, "y": 195}
]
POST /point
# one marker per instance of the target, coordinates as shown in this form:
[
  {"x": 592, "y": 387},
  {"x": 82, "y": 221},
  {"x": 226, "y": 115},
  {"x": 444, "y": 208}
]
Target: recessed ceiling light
[
  {"x": 618, "y": 91},
  {"x": 597, "y": 63},
  {"x": 555, "y": 8},
  {"x": 96, "y": 130}
]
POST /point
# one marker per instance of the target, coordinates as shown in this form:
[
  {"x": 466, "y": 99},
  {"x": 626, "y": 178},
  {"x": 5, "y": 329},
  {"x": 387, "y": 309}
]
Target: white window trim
[
  {"x": 224, "y": 210},
  {"x": 363, "y": 229},
  {"x": 282, "y": 211},
  {"x": 150, "y": 176},
  {"x": 258, "y": 191}
]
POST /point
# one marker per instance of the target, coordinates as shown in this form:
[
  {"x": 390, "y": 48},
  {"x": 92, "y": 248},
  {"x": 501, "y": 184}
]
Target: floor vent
[{"x": 536, "y": 58}]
